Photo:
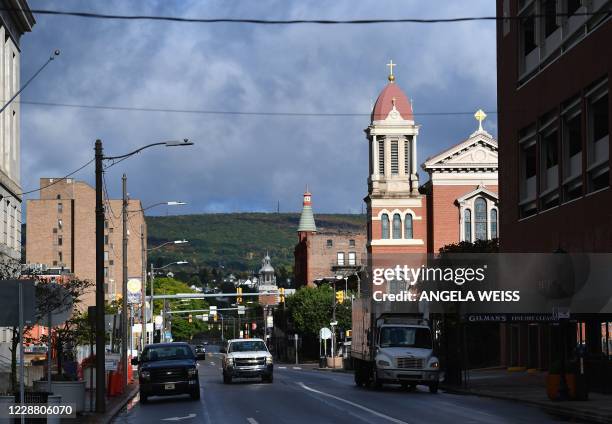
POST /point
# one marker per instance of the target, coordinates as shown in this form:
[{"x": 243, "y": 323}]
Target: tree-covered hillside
[{"x": 236, "y": 241}]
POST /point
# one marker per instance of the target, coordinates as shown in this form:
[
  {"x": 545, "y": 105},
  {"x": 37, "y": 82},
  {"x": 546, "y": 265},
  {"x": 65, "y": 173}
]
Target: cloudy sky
[{"x": 246, "y": 163}]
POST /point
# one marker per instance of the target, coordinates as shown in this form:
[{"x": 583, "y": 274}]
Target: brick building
[
  {"x": 554, "y": 67},
  {"x": 323, "y": 255},
  {"x": 61, "y": 232},
  {"x": 459, "y": 202}
]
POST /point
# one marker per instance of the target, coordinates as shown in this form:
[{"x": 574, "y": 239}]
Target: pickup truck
[
  {"x": 247, "y": 358},
  {"x": 392, "y": 348}
]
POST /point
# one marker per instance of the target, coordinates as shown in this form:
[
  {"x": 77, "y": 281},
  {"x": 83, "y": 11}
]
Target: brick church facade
[{"x": 459, "y": 202}]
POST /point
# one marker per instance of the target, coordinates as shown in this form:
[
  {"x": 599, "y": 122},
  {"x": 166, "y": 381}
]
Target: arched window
[
  {"x": 467, "y": 225},
  {"x": 384, "y": 221},
  {"x": 408, "y": 226},
  {"x": 397, "y": 226},
  {"x": 493, "y": 223},
  {"x": 480, "y": 218}
]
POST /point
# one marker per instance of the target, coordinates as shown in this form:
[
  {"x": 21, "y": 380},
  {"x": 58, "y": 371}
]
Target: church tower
[{"x": 396, "y": 210}]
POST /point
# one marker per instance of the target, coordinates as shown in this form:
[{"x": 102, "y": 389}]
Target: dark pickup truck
[{"x": 167, "y": 369}]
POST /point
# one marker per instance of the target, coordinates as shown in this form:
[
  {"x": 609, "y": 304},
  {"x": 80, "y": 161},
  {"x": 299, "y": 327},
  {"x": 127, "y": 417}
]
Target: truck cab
[{"x": 399, "y": 350}]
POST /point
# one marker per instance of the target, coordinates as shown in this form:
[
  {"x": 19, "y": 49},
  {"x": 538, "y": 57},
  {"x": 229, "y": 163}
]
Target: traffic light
[
  {"x": 340, "y": 296},
  {"x": 281, "y": 295},
  {"x": 239, "y": 295},
  {"x": 190, "y": 318}
]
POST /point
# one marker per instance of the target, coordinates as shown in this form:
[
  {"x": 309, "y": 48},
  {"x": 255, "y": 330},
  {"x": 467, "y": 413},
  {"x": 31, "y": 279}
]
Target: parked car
[
  {"x": 200, "y": 351},
  {"x": 167, "y": 369},
  {"x": 247, "y": 358}
]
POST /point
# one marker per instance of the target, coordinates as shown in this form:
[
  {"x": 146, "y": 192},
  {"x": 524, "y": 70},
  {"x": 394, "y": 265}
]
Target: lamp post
[
  {"x": 100, "y": 216},
  {"x": 152, "y": 283},
  {"x": 143, "y": 306}
]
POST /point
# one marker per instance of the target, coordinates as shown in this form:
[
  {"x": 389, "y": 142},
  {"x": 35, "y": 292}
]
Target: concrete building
[
  {"x": 321, "y": 255},
  {"x": 554, "y": 67},
  {"x": 61, "y": 233},
  {"x": 16, "y": 19}
]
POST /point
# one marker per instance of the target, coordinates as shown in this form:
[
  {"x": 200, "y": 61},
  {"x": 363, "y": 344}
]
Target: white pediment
[{"x": 478, "y": 152}]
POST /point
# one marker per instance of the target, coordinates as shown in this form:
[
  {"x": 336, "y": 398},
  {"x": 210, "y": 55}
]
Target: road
[{"x": 310, "y": 396}]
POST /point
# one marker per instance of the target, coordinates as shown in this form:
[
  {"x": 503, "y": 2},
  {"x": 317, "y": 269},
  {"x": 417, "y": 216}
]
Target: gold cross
[
  {"x": 480, "y": 116},
  {"x": 391, "y": 65}
]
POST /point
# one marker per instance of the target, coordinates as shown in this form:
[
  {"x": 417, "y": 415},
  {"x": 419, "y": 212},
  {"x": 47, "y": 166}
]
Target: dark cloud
[{"x": 244, "y": 163}]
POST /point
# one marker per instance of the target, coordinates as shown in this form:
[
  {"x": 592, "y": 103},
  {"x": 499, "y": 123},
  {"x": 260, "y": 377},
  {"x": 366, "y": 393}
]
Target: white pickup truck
[{"x": 392, "y": 348}]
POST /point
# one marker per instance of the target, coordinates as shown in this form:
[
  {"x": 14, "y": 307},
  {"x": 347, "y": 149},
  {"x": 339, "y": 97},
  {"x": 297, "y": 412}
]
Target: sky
[{"x": 246, "y": 163}]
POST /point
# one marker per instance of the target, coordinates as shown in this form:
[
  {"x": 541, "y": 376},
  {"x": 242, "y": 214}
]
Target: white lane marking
[
  {"x": 187, "y": 417},
  {"x": 282, "y": 368},
  {"x": 297, "y": 368},
  {"x": 356, "y": 405},
  {"x": 252, "y": 420},
  {"x": 212, "y": 364}
]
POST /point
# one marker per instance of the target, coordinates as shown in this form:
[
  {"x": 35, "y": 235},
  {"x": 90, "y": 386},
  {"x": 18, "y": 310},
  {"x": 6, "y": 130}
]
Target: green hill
[{"x": 236, "y": 241}]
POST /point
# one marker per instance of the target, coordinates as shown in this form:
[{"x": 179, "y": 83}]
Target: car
[
  {"x": 200, "y": 351},
  {"x": 247, "y": 358},
  {"x": 167, "y": 369}
]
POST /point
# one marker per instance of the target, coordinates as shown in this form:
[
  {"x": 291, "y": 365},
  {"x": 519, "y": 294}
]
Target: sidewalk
[
  {"x": 530, "y": 388},
  {"x": 113, "y": 406}
]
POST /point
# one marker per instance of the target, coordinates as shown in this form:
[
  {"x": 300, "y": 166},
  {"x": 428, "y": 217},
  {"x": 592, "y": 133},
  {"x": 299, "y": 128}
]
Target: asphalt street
[{"x": 311, "y": 396}]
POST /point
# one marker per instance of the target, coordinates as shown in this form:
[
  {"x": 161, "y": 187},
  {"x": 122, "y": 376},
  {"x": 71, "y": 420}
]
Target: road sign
[
  {"x": 241, "y": 310},
  {"x": 9, "y": 304},
  {"x": 212, "y": 311},
  {"x": 325, "y": 333},
  {"x": 111, "y": 360},
  {"x": 333, "y": 323},
  {"x": 270, "y": 321}
]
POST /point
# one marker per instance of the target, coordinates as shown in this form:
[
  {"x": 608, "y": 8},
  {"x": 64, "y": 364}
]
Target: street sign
[
  {"x": 295, "y": 336},
  {"x": 333, "y": 323},
  {"x": 325, "y": 333},
  {"x": 270, "y": 321},
  {"x": 241, "y": 310},
  {"x": 111, "y": 360},
  {"x": 212, "y": 311},
  {"x": 9, "y": 303}
]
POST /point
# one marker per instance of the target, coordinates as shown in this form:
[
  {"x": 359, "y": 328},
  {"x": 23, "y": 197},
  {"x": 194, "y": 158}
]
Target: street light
[
  {"x": 100, "y": 217},
  {"x": 153, "y": 280}
]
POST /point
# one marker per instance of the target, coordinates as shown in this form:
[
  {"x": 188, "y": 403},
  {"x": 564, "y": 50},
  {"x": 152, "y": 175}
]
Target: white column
[
  {"x": 374, "y": 147},
  {"x": 461, "y": 221},
  {"x": 414, "y": 177}
]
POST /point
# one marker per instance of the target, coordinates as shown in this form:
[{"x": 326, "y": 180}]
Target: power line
[
  {"x": 92, "y": 15},
  {"x": 230, "y": 112},
  {"x": 56, "y": 181}
]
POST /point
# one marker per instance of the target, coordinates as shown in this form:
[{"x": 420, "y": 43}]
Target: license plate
[{"x": 169, "y": 386}]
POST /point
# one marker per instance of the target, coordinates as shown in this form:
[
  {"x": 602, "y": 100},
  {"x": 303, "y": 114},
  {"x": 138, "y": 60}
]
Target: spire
[
  {"x": 307, "y": 222},
  {"x": 391, "y": 76},
  {"x": 480, "y": 116}
]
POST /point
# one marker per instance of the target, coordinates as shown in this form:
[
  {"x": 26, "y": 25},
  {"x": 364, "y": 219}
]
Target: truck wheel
[
  {"x": 375, "y": 383},
  {"x": 359, "y": 377},
  {"x": 195, "y": 395},
  {"x": 433, "y": 388},
  {"x": 227, "y": 379},
  {"x": 268, "y": 379}
]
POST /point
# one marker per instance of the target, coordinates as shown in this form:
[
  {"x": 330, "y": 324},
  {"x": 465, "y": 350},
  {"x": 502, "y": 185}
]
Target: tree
[
  {"x": 478, "y": 246},
  {"x": 310, "y": 309}
]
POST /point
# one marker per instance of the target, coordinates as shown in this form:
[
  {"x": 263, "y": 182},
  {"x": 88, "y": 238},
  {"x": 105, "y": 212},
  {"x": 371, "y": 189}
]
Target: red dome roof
[{"x": 384, "y": 103}]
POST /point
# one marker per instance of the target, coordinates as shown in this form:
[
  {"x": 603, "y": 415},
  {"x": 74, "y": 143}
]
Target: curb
[
  {"x": 111, "y": 413},
  {"x": 556, "y": 410}
]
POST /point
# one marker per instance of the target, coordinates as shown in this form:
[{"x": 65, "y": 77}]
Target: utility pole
[
  {"x": 124, "y": 297},
  {"x": 152, "y": 275},
  {"x": 100, "y": 328},
  {"x": 143, "y": 304}
]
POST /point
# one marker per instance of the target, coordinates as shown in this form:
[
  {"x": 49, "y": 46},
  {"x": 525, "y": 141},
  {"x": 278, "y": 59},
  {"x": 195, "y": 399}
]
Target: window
[
  {"x": 340, "y": 257},
  {"x": 351, "y": 243},
  {"x": 550, "y": 16},
  {"x": 60, "y": 224},
  {"x": 106, "y": 255},
  {"x": 60, "y": 240},
  {"x": 573, "y": 6},
  {"x": 59, "y": 196},
  {"x": 397, "y": 226},
  {"x": 528, "y": 33},
  {"x": 549, "y": 167},
  {"x": 527, "y": 172},
  {"x": 394, "y": 158},
  {"x": 571, "y": 141},
  {"x": 480, "y": 217},
  {"x": 352, "y": 258},
  {"x": 467, "y": 225},
  {"x": 60, "y": 207},
  {"x": 598, "y": 143},
  {"x": 381, "y": 157},
  {"x": 330, "y": 243},
  {"x": 407, "y": 142},
  {"x": 408, "y": 227},
  {"x": 384, "y": 222},
  {"x": 105, "y": 239},
  {"x": 61, "y": 257},
  {"x": 493, "y": 223}
]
